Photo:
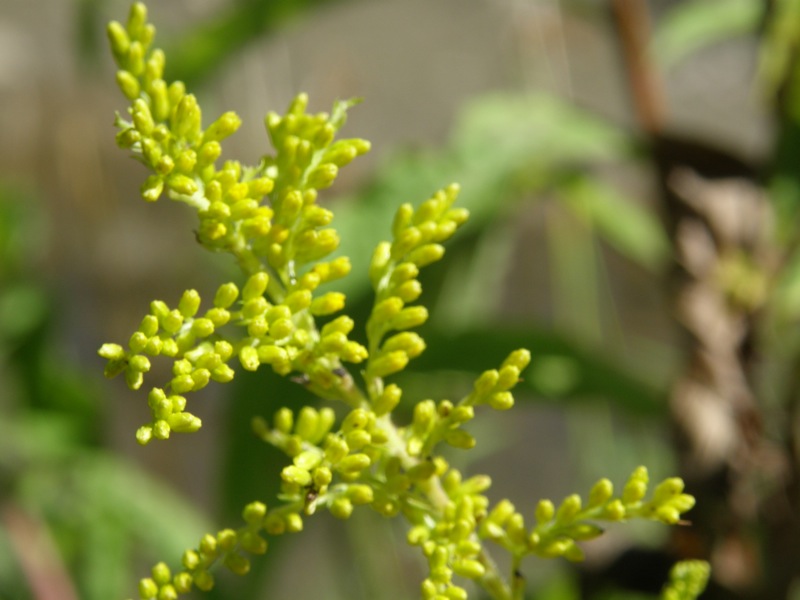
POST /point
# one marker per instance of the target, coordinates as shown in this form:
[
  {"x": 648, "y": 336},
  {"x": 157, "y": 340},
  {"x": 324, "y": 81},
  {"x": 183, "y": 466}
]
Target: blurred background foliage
[{"x": 564, "y": 122}]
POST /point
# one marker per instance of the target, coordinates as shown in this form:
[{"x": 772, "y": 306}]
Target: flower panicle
[{"x": 268, "y": 218}]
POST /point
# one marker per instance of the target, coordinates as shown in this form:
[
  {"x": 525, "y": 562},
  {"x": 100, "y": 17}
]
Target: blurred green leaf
[
  {"x": 779, "y": 47},
  {"x": 627, "y": 226},
  {"x": 692, "y": 26},
  {"x": 23, "y": 307},
  {"x": 205, "y": 47}
]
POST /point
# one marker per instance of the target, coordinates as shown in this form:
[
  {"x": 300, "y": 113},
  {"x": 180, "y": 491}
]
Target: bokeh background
[{"x": 631, "y": 172}]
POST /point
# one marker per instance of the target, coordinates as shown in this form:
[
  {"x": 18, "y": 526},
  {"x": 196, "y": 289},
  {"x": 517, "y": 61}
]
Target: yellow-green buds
[
  {"x": 327, "y": 304},
  {"x": 267, "y": 217},
  {"x": 636, "y": 487},
  {"x": 387, "y": 400},
  {"x": 687, "y": 580},
  {"x": 600, "y": 493},
  {"x": 225, "y": 125},
  {"x": 129, "y": 84}
]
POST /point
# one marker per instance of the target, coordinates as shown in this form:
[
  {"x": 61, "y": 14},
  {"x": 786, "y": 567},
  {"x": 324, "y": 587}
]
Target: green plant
[{"x": 268, "y": 219}]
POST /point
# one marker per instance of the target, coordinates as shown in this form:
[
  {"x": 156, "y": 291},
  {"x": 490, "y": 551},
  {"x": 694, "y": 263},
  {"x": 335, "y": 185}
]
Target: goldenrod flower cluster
[{"x": 268, "y": 219}]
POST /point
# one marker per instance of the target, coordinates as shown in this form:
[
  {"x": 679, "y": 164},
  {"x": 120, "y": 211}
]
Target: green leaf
[
  {"x": 629, "y": 227},
  {"x": 205, "y": 47},
  {"x": 692, "y": 26}
]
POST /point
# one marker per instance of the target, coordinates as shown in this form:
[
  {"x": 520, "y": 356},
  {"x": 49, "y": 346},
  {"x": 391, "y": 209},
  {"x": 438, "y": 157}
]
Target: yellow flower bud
[
  {"x": 129, "y": 84},
  {"x": 225, "y": 125},
  {"x": 469, "y": 568},
  {"x": 458, "y": 438},
  {"x": 281, "y": 329},
  {"x": 272, "y": 355},
  {"x": 147, "y": 588},
  {"x": 569, "y": 508},
  {"x": 353, "y": 352},
  {"x": 208, "y": 546},
  {"x": 501, "y": 400},
  {"x": 634, "y": 491},
  {"x": 181, "y": 184},
  {"x": 171, "y": 321},
  {"x": 218, "y": 316},
  {"x": 202, "y": 327},
  {"x": 135, "y": 62},
  {"x": 357, "y": 439},
  {"x": 253, "y": 543},
  {"x": 294, "y": 523},
  {"x": 203, "y": 580},
  {"x": 223, "y": 374},
  {"x": 111, "y": 352},
  {"x": 486, "y": 383},
  {"x": 248, "y": 356},
  {"x": 426, "y": 255},
  {"x": 404, "y": 243},
  {"x": 408, "y": 291},
  {"x": 508, "y": 377},
  {"x": 139, "y": 363},
  {"x": 327, "y": 304},
  {"x": 322, "y": 176},
  {"x": 118, "y": 40},
  {"x": 294, "y": 474},
  {"x": 410, "y": 343},
  {"x": 161, "y": 430},
  {"x": 353, "y": 463},
  {"x": 184, "y": 423},
  {"x": 402, "y": 219},
  {"x": 307, "y": 421},
  {"x": 144, "y": 434},
  {"x": 308, "y": 459},
  {"x": 341, "y": 507},
  {"x": 388, "y": 400},
  {"x": 322, "y": 476},
  {"x": 412, "y": 316},
  {"x": 191, "y": 560},
  {"x": 189, "y": 303},
  {"x": 360, "y": 493},
  {"x": 159, "y": 98},
  {"x": 283, "y": 420},
  {"x": 614, "y": 511},
  {"x": 237, "y": 563},
  {"x": 182, "y": 384},
  {"x": 601, "y": 492},
  {"x": 178, "y": 403},
  {"x": 176, "y": 91},
  {"x": 186, "y": 118}
]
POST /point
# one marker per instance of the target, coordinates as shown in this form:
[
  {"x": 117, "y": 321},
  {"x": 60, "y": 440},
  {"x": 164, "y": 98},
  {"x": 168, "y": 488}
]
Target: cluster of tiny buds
[
  {"x": 449, "y": 542},
  {"x": 277, "y": 335},
  {"x": 227, "y": 547},
  {"x": 558, "y": 530},
  {"x": 688, "y": 579},
  {"x": 319, "y": 456},
  {"x": 165, "y": 131},
  {"x": 417, "y": 236}
]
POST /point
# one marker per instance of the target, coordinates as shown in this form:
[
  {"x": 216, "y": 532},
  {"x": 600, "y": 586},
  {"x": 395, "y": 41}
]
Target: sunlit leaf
[{"x": 692, "y": 26}]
